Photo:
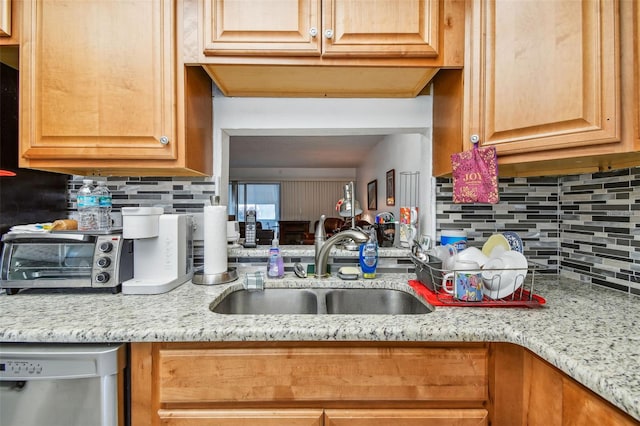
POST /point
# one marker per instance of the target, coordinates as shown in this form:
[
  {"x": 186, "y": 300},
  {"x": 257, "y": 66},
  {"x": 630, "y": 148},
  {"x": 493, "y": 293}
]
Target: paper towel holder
[{"x": 200, "y": 278}]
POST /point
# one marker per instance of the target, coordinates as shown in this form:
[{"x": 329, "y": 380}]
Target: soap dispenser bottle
[
  {"x": 275, "y": 266},
  {"x": 369, "y": 256}
]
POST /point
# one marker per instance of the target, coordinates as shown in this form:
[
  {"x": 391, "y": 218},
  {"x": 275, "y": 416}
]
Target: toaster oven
[{"x": 65, "y": 259}]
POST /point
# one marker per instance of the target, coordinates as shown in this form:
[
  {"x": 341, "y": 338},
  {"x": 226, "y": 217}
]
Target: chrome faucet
[{"x": 323, "y": 245}]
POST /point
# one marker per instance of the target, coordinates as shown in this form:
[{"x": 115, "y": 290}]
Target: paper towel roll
[{"x": 215, "y": 239}]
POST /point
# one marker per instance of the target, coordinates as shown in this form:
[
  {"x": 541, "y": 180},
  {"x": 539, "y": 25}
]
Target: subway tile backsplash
[{"x": 586, "y": 227}]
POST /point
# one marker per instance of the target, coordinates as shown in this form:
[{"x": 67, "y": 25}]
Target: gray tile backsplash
[
  {"x": 600, "y": 228},
  {"x": 585, "y": 226},
  {"x": 174, "y": 194}
]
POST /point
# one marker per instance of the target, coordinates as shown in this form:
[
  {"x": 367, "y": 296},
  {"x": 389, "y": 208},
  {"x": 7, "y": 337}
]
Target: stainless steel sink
[
  {"x": 269, "y": 301},
  {"x": 374, "y": 301},
  {"x": 349, "y": 301}
]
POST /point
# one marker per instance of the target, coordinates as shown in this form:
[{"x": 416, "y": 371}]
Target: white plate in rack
[{"x": 511, "y": 278}]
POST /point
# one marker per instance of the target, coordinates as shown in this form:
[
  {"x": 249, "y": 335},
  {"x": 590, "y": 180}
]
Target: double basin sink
[{"x": 313, "y": 301}]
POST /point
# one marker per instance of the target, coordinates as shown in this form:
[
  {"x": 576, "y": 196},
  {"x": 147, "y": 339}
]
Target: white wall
[
  {"x": 404, "y": 153},
  {"x": 292, "y": 173}
]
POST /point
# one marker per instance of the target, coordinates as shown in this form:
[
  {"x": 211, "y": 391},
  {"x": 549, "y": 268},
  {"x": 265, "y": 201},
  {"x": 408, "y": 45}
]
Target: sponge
[{"x": 349, "y": 272}]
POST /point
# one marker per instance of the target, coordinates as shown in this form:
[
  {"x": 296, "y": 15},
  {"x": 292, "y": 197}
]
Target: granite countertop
[{"x": 589, "y": 332}]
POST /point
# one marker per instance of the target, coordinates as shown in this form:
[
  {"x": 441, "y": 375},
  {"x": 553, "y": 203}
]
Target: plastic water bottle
[
  {"x": 87, "y": 203},
  {"x": 103, "y": 211}
]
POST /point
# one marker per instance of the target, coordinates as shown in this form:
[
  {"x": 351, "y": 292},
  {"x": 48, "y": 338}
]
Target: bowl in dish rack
[{"x": 515, "y": 242}]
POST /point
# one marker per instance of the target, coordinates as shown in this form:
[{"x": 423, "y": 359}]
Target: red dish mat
[{"x": 521, "y": 299}]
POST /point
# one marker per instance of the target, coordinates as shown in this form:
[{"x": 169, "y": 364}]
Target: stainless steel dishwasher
[{"x": 62, "y": 384}]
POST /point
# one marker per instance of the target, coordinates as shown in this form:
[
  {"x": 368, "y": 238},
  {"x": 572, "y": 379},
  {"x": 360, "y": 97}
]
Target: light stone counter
[{"x": 589, "y": 332}]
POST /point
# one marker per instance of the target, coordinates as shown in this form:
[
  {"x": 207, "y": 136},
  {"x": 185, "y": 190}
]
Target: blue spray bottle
[{"x": 369, "y": 256}]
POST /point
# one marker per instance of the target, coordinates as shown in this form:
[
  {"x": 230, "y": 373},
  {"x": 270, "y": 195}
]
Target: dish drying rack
[{"x": 429, "y": 284}]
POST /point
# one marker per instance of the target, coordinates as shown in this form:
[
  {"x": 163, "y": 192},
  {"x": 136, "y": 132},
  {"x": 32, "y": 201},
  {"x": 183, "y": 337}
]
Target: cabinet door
[
  {"x": 582, "y": 408},
  {"x": 97, "y": 80},
  {"x": 542, "y": 75},
  {"x": 406, "y": 417},
  {"x": 256, "y": 27},
  {"x": 636, "y": 74},
  {"x": 387, "y": 28},
  {"x": 276, "y": 417},
  {"x": 5, "y": 18}
]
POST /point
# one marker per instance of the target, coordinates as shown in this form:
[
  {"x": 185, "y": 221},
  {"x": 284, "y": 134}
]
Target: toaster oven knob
[
  {"x": 105, "y": 247},
  {"x": 103, "y": 262},
  {"x": 102, "y": 277}
]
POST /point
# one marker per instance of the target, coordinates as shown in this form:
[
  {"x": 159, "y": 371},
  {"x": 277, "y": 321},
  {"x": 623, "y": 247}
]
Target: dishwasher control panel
[
  {"x": 34, "y": 368},
  {"x": 20, "y": 368}
]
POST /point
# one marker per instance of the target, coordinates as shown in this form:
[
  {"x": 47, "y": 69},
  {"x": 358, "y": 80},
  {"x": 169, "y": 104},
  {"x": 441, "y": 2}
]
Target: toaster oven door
[{"x": 47, "y": 264}]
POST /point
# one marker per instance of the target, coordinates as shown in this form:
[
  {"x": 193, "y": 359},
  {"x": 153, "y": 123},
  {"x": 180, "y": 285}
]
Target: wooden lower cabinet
[
  {"x": 526, "y": 390},
  {"x": 308, "y": 384},
  {"x": 357, "y": 383}
]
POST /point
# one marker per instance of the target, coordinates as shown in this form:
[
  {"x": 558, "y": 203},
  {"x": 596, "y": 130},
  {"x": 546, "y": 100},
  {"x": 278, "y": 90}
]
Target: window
[{"x": 264, "y": 198}]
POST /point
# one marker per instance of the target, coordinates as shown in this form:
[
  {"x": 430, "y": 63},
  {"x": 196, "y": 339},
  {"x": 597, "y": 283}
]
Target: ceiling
[{"x": 300, "y": 151}]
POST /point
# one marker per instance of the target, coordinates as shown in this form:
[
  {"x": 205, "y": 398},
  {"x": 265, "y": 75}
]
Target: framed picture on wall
[
  {"x": 391, "y": 187},
  {"x": 372, "y": 195}
]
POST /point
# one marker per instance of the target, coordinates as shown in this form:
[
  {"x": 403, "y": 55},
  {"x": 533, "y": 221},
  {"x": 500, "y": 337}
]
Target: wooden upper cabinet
[
  {"x": 5, "y": 18},
  {"x": 636, "y": 72},
  {"x": 376, "y": 28},
  {"x": 255, "y": 27},
  {"x": 550, "y": 84},
  {"x": 370, "y": 28},
  {"x": 100, "y": 89},
  {"x": 328, "y": 48},
  {"x": 542, "y": 75}
]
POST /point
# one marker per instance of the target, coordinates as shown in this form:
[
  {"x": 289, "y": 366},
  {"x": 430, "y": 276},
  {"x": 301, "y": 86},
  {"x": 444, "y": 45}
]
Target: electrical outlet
[{"x": 198, "y": 226}]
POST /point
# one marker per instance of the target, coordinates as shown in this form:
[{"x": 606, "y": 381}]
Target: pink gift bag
[{"x": 475, "y": 176}]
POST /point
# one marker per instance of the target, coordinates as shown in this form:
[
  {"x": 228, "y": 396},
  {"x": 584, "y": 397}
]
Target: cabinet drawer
[
  {"x": 241, "y": 417},
  {"x": 323, "y": 374},
  {"x": 431, "y": 417}
]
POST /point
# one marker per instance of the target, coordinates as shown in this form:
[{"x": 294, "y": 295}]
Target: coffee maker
[{"x": 162, "y": 249}]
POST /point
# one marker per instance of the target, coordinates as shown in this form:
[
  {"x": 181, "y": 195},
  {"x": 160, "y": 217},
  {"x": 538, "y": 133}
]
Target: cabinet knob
[
  {"x": 313, "y": 31},
  {"x": 328, "y": 33},
  {"x": 475, "y": 138},
  {"x": 164, "y": 140}
]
